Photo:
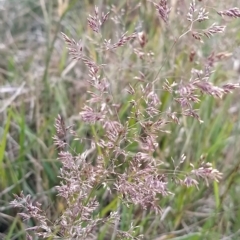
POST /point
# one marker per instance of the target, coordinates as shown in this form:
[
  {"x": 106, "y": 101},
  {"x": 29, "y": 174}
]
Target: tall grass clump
[{"x": 134, "y": 102}]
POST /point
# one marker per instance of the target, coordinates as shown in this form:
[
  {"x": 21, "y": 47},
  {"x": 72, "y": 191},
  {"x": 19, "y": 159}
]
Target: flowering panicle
[
  {"x": 162, "y": 9},
  {"x": 123, "y": 157},
  {"x": 75, "y": 48},
  {"x": 209, "y": 32},
  {"x": 95, "y": 22},
  {"x": 188, "y": 93},
  {"x": 200, "y": 16},
  {"x": 34, "y": 211},
  {"x": 121, "y": 42},
  {"x": 207, "y": 172},
  {"x": 232, "y": 12}
]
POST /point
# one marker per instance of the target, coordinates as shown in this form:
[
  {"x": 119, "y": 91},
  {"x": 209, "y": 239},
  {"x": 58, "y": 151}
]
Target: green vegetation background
[{"x": 38, "y": 81}]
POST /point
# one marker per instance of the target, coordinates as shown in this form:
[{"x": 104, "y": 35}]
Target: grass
[{"x": 39, "y": 81}]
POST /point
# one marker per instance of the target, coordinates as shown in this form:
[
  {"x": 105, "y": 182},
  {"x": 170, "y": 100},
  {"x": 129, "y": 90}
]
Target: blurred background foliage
[{"x": 38, "y": 81}]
